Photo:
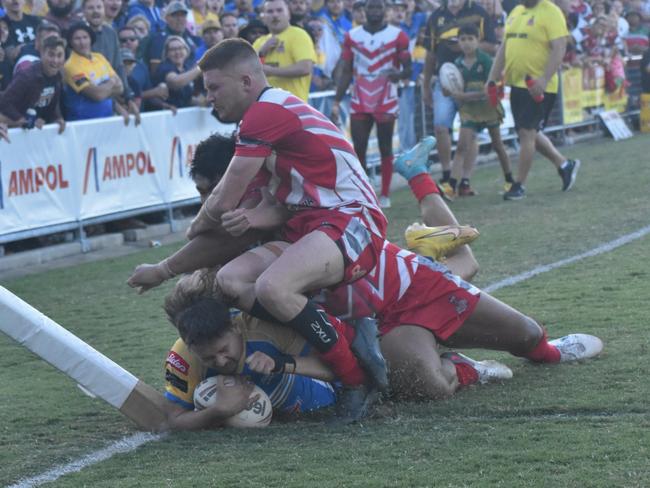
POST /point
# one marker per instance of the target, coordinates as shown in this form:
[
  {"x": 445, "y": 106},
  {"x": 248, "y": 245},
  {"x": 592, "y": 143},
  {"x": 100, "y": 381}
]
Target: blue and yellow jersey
[
  {"x": 288, "y": 393},
  {"x": 79, "y": 73}
]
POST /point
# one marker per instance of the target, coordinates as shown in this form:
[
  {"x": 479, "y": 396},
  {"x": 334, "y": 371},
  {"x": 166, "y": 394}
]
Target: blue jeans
[
  {"x": 444, "y": 108},
  {"x": 406, "y": 121}
]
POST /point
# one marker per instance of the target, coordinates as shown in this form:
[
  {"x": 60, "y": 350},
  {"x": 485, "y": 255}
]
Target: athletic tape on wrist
[
  {"x": 169, "y": 274},
  {"x": 281, "y": 362}
]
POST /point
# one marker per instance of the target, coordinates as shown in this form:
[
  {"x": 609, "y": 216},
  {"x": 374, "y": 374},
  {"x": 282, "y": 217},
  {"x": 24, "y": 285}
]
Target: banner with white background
[{"x": 98, "y": 167}]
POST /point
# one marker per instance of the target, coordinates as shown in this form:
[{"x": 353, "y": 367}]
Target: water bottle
[
  {"x": 529, "y": 82},
  {"x": 30, "y": 119}
]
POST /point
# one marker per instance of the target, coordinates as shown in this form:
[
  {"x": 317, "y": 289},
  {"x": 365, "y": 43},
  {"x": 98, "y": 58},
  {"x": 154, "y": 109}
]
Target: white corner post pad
[{"x": 65, "y": 351}]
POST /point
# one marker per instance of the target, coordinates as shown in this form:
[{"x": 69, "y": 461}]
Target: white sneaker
[
  {"x": 488, "y": 370},
  {"x": 574, "y": 347},
  {"x": 384, "y": 202}
]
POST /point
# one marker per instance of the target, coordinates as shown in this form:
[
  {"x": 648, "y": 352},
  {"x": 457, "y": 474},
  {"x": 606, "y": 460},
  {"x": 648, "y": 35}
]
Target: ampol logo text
[{"x": 117, "y": 166}]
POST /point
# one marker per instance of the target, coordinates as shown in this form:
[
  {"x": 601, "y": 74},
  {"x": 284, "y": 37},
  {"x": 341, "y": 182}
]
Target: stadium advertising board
[{"x": 99, "y": 167}]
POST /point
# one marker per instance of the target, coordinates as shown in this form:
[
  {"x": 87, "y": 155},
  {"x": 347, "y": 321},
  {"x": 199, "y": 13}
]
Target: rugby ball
[
  {"x": 259, "y": 414},
  {"x": 451, "y": 78}
]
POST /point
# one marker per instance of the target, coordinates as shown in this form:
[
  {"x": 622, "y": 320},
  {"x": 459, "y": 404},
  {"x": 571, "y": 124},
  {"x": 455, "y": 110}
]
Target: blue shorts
[{"x": 444, "y": 108}]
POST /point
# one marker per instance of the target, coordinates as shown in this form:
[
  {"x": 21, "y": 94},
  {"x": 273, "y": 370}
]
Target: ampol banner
[
  {"x": 98, "y": 167},
  {"x": 38, "y": 178}
]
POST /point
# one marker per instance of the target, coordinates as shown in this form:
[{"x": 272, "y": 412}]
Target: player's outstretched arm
[{"x": 205, "y": 251}]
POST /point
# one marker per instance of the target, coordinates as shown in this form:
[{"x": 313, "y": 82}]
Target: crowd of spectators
[{"x": 122, "y": 57}]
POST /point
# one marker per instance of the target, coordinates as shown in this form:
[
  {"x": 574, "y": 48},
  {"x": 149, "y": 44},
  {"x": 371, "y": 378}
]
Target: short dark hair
[
  {"x": 468, "y": 30},
  {"x": 204, "y": 320},
  {"x": 225, "y": 53},
  {"x": 226, "y": 14},
  {"x": 53, "y": 42},
  {"x": 212, "y": 157}
]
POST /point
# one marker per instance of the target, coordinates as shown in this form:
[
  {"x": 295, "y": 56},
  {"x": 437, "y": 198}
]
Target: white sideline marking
[
  {"x": 124, "y": 445},
  {"x": 603, "y": 248},
  {"x": 131, "y": 443}
]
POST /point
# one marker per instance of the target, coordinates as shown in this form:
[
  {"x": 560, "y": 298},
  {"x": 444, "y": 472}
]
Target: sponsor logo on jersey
[
  {"x": 177, "y": 362},
  {"x": 175, "y": 381}
]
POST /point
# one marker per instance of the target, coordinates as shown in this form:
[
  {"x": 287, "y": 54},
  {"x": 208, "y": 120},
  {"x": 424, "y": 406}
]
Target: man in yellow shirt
[
  {"x": 287, "y": 53},
  {"x": 532, "y": 51}
]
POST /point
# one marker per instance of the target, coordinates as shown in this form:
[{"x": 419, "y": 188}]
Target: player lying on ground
[
  {"x": 273, "y": 357},
  {"x": 214, "y": 343}
]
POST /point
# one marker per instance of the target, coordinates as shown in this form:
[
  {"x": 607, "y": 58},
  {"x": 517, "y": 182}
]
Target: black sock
[
  {"x": 453, "y": 182},
  {"x": 508, "y": 177},
  {"x": 446, "y": 173},
  {"x": 258, "y": 311},
  {"x": 464, "y": 182},
  {"x": 314, "y": 326}
]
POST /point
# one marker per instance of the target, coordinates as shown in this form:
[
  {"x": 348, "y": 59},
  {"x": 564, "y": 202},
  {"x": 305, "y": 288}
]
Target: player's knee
[
  {"x": 268, "y": 292},
  {"x": 420, "y": 378},
  {"x": 230, "y": 284}
]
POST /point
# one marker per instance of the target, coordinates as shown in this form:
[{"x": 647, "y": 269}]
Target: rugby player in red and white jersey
[
  {"x": 420, "y": 304},
  {"x": 372, "y": 56},
  {"x": 337, "y": 227}
]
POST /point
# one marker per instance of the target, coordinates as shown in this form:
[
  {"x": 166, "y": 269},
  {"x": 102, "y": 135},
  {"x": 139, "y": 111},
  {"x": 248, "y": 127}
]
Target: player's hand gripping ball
[{"x": 258, "y": 414}]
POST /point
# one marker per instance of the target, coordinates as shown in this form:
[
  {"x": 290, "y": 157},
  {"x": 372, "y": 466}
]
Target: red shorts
[
  {"x": 436, "y": 300},
  {"x": 359, "y": 233},
  {"x": 380, "y": 118}
]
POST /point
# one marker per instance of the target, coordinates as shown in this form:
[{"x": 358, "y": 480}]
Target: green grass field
[{"x": 582, "y": 425}]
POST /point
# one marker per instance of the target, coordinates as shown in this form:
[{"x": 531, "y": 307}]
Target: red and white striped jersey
[
  {"x": 372, "y": 56},
  {"x": 313, "y": 165},
  {"x": 377, "y": 291}
]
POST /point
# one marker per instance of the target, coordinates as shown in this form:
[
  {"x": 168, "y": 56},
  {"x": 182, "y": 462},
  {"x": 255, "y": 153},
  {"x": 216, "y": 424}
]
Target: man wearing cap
[
  {"x": 176, "y": 18},
  {"x": 91, "y": 84},
  {"x": 198, "y": 15},
  {"x": 287, "y": 53},
  {"x": 155, "y": 97},
  {"x": 211, "y": 34},
  {"x": 253, "y": 31}
]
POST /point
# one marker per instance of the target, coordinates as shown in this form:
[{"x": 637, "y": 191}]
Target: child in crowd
[{"x": 476, "y": 113}]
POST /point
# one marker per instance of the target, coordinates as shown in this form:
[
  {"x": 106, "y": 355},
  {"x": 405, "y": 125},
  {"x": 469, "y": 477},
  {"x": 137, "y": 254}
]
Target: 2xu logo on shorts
[{"x": 320, "y": 333}]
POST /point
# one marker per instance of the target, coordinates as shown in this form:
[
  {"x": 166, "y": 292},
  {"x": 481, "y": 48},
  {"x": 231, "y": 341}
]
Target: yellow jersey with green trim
[
  {"x": 294, "y": 45},
  {"x": 289, "y": 393},
  {"x": 528, "y": 36}
]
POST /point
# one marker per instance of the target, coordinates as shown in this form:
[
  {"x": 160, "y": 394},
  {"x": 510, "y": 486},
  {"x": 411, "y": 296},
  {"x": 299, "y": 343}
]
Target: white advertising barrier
[
  {"x": 37, "y": 180},
  {"x": 99, "y": 167}
]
